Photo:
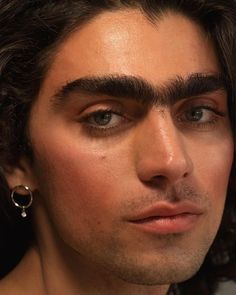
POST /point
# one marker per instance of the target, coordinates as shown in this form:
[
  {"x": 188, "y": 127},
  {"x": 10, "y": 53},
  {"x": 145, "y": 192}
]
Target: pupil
[
  {"x": 195, "y": 115},
  {"x": 103, "y": 118}
]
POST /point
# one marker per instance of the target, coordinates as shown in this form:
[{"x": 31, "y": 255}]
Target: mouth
[{"x": 166, "y": 218}]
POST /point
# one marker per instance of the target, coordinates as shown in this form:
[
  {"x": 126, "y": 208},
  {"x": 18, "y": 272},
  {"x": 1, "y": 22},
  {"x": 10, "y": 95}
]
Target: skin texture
[{"x": 90, "y": 181}]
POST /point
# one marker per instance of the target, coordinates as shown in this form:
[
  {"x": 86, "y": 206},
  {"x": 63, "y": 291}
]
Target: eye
[
  {"x": 106, "y": 122},
  {"x": 103, "y": 119},
  {"x": 200, "y": 116},
  {"x": 110, "y": 117}
]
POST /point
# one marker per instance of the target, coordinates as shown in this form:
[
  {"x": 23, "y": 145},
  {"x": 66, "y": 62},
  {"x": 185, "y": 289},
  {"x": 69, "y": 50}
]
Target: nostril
[
  {"x": 158, "y": 181},
  {"x": 185, "y": 175}
]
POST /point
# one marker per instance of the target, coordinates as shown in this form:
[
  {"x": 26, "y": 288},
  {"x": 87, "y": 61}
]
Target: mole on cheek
[{"x": 103, "y": 157}]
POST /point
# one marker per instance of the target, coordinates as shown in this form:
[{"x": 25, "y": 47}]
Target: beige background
[{"x": 227, "y": 289}]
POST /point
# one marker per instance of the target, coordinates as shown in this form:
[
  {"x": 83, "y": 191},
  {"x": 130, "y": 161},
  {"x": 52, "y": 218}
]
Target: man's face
[{"x": 135, "y": 185}]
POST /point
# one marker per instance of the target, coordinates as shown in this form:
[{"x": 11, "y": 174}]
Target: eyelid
[
  {"x": 102, "y": 104},
  {"x": 210, "y": 108},
  {"x": 128, "y": 108},
  {"x": 216, "y": 102},
  {"x": 89, "y": 113},
  {"x": 100, "y": 111}
]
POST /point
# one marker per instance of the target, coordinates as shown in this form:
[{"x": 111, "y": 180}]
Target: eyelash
[{"x": 125, "y": 120}]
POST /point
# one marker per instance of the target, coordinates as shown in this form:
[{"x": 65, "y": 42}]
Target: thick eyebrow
[{"x": 132, "y": 87}]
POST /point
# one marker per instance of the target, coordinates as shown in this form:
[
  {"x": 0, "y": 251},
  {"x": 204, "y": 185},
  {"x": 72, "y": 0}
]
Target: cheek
[
  {"x": 78, "y": 182},
  {"x": 212, "y": 166},
  {"x": 213, "y": 170}
]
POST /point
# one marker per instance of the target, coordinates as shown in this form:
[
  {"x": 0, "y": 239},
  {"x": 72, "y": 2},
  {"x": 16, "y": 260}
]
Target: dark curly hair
[{"x": 30, "y": 32}]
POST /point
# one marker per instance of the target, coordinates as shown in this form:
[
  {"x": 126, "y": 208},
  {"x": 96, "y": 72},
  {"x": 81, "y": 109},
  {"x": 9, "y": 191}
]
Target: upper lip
[{"x": 165, "y": 209}]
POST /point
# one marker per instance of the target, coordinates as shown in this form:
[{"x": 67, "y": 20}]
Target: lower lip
[{"x": 168, "y": 225}]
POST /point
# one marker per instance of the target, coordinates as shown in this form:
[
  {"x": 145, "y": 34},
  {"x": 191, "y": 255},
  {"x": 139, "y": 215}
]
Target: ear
[{"x": 22, "y": 174}]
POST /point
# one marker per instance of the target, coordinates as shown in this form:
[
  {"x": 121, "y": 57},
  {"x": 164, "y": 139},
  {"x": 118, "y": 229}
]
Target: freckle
[{"x": 103, "y": 157}]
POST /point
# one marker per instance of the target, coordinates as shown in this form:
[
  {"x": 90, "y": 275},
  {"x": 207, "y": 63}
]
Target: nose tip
[
  {"x": 165, "y": 168},
  {"x": 177, "y": 164},
  {"x": 163, "y": 156}
]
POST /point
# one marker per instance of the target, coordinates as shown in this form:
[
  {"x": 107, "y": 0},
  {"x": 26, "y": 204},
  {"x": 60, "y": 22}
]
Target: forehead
[{"x": 126, "y": 42}]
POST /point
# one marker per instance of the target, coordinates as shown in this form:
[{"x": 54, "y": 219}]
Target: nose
[{"x": 162, "y": 153}]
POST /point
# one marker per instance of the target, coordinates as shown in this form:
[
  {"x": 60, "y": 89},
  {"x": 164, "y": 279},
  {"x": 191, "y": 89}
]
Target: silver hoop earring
[{"x": 26, "y": 204}]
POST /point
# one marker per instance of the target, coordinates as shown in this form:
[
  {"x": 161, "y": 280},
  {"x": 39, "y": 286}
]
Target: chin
[{"x": 159, "y": 273}]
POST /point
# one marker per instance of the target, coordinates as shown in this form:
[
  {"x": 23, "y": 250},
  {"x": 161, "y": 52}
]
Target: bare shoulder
[
  {"x": 10, "y": 285},
  {"x": 4, "y": 289},
  {"x": 23, "y": 279}
]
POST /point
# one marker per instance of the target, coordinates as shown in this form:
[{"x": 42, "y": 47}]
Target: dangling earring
[{"x": 24, "y": 205}]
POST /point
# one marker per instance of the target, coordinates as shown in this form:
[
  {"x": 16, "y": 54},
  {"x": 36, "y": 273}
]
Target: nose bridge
[
  {"x": 171, "y": 146},
  {"x": 162, "y": 150}
]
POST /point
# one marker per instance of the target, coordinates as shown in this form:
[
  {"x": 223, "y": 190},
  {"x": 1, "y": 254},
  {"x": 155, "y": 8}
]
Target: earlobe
[{"x": 22, "y": 174}]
